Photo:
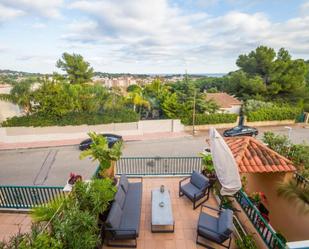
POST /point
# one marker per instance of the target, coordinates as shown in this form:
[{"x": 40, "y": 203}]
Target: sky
[{"x": 148, "y": 36}]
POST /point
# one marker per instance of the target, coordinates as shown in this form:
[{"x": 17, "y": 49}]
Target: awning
[{"x": 224, "y": 163}]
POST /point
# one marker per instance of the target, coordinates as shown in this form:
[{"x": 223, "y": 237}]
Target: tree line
[{"x": 264, "y": 75}]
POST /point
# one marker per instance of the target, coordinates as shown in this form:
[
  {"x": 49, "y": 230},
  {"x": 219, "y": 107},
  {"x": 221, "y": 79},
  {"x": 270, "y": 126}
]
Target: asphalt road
[{"x": 52, "y": 166}]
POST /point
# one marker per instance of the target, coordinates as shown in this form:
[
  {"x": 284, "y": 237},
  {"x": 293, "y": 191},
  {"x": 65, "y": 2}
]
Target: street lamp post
[{"x": 193, "y": 115}]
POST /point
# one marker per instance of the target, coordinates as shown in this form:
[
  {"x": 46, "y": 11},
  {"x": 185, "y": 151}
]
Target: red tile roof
[
  {"x": 252, "y": 156},
  {"x": 223, "y": 100}
]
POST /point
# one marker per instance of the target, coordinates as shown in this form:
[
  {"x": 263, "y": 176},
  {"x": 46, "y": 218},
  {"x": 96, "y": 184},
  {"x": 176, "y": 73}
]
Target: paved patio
[
  {"x": 11, "y": 223},
  {"x": 185, "y": 219}
]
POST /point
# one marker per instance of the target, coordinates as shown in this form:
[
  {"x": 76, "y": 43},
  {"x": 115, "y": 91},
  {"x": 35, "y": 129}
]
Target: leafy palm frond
[
  {"x": 7, "y": 97},
  {"x": 99, "y": 151},
  {"x": 296, "y": 193},
  {"x": 46, "y": 212}
]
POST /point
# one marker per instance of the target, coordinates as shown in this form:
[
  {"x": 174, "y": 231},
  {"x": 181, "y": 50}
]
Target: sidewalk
[{"x": 67, "y": 142}]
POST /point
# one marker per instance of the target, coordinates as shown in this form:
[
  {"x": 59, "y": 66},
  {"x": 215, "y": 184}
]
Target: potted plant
[
  {"x": 208, "y": 168},
  {"x": 74, "y": 178},
  {"x": 99, "y": 151},
  {"x": 257, "y": 198}
]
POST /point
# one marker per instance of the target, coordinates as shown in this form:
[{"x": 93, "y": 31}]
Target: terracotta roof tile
[
  {"x": 223, "y": 100},
  {"x": 252, "y": 156}
]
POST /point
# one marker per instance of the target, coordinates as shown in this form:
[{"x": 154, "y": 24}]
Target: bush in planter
[
  {"x": 246, "y": 242},
  {"x": 35, "y": 239},
  {"x": 208, "y": 167},
  {"x": 99, "y": 151},
  {"x": 94, "y": 196},
  {"x": 76, "y": 229},
  {"x": 47, "y": 211}
]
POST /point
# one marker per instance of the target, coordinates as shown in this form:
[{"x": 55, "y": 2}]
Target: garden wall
[
  {"x": 27, "y": 134},
  {"x": 230, "y": 125},
  {"x": 270, "y": 123}
]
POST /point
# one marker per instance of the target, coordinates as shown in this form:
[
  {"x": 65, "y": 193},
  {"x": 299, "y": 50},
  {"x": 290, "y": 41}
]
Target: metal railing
[
  {"x": 26, "y": 197},
  {"x": 261, "y": 225},
  {"x": 302, "y": 181},
  {"x": 141, "y": 166}
]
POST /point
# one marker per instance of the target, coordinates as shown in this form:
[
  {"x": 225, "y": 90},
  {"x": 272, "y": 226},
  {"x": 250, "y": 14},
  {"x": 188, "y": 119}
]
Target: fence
[
  {"x": 26, "y": 197},
  {"x": 142, "y": 166},
  {"x": 302, "y": 181},
  {"x": 261, "y": 225}
]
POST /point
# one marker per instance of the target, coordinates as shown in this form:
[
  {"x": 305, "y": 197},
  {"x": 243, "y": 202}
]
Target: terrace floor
[
  {"x": 185, "y": 217},
  {"x": 12, "y": 223}
]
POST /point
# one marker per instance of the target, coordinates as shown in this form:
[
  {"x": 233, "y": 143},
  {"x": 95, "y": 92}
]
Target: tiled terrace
[
  {"x": 11, "y": 223},
  {"x": 185, "y": 219}
]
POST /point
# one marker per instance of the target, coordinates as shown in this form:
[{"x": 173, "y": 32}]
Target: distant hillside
[{"x": 18, "y": 73}]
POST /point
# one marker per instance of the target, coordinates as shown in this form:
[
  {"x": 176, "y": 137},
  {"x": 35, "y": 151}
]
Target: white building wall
[{"x": 235, "y": 109}]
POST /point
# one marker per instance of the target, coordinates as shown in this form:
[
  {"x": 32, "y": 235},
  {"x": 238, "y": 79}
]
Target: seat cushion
[
  {"x": 225, "y": 222},
  {"x": 132, "y": 207},
  {"x": 120, "y": 197},
  {"x": 124, "y": 183},
  {"x": 211, "y": 222},
  {"x": 189, "y": 190},
  {"x": 125, "y": 235},
  {"x": 114, "y": 217},
  {"x": 199, "y": 180}
]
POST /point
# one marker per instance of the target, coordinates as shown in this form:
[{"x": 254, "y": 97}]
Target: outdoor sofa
[
  {"x": 197, "y": 189},
  {"x": 123, "y": 220}
]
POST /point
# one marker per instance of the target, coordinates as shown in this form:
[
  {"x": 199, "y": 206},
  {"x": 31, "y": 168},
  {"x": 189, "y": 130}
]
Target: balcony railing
[
  {"x": 142, "y": 166},
  {"x": 302, "y": 181},
  {"x": 26, "y": 197},
  {"x": 261, "y": 225}
]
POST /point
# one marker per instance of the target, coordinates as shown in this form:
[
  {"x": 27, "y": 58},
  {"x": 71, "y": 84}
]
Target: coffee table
[{"x": 161, "y": 216}]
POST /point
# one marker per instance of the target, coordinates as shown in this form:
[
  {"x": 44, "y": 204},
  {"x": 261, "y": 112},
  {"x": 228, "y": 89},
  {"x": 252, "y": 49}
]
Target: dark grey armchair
[
  {"x": 216, "y": 229},
  {"x": 197, "y": 189}
]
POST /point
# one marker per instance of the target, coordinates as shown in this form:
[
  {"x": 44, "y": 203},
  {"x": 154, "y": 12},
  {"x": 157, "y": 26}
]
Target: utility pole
[{"x": 193, "y": 115}]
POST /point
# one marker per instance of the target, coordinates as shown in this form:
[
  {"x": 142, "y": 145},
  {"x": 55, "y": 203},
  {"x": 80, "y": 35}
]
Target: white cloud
[
  {"x": 151, "y": 31},
  {"x": 304, "y": 9},
  {"x": 44, "y": 8},
  {"x": 7, "y": 13},
  {"x": 160, "y": 35},
  {"x": 39, "y": 25}
]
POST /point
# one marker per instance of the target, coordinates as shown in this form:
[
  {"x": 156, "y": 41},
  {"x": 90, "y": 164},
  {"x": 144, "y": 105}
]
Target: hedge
[
  {"x": 274, "y": 113},
  {"x": 215, "y": 118},
  {"x": 118, "y": 116}
]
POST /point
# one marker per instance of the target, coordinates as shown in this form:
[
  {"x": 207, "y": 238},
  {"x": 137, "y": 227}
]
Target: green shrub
[
  {"x": 247, "y": 242},
  {"x": 215, "y": 118},
  {"x": 274, "y": 113},
  {"x": 253, "y": 105},
  {"x": 297, "y": 153},
  {"x": 75, "y": 118}
]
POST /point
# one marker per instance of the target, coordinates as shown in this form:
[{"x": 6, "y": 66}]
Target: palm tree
[
  {"x": 296, "y": 193},
  {"x": 138, "y": 100},
  {"x": 99, "y": 151},
  {"x": 20, "y": 95}
]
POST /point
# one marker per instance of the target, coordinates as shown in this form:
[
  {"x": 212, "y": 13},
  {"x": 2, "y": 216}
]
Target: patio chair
[
  {"x": 216, "y": 229},
  {"x": 197, "y": 189}
]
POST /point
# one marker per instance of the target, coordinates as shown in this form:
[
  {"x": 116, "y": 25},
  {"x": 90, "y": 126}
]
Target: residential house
[
  {"x": 226, "y": 102},
  {"x": 264, "y": 169}
]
